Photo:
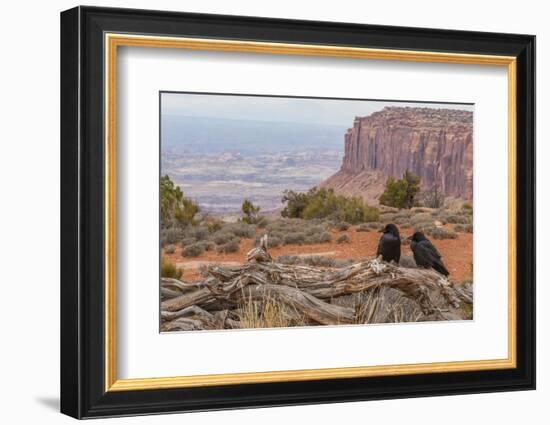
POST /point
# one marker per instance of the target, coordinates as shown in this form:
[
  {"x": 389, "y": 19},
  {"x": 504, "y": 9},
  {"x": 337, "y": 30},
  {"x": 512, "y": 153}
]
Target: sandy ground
[{"x": 456, "y": 253}]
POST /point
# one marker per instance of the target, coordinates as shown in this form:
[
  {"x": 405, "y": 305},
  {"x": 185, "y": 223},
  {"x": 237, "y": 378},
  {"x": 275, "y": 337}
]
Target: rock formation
[{"x": 435, "y": 144}]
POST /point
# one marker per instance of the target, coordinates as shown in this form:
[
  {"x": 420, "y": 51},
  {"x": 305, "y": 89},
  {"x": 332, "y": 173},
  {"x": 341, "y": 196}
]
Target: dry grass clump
[
  {"x": 267, "y": 313},
  {"x": 170, "y": 270}
]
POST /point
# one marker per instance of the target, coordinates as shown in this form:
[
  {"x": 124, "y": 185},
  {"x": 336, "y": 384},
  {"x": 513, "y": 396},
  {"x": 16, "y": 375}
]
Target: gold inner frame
[{"x": 113, "y": 41}]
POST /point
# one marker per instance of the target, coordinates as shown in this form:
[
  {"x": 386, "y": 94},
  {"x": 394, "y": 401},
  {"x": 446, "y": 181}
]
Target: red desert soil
[{"x": 456, "y": 253}]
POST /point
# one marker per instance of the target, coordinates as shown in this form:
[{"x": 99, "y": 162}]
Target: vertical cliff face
[{"x": 435, "y": 144}]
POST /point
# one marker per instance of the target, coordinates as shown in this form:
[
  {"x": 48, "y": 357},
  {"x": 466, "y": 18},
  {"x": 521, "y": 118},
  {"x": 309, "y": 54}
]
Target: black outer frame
[{"x": 82, "y": 219}]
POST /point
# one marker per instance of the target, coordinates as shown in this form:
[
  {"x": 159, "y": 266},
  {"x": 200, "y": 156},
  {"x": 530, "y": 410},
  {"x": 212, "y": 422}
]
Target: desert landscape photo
[{"x": 288, "y": 211}]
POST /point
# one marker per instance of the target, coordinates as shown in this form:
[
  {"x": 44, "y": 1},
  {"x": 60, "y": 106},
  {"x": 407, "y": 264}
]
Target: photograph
[{"x": 280, "y": 211}]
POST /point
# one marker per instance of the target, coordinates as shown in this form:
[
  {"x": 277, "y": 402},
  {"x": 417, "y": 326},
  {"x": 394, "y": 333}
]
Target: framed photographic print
[{"x": 261, "y": 212}]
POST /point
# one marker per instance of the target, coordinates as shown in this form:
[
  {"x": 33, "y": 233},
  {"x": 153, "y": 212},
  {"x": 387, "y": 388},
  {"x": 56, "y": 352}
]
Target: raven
[
  {"x": 389, "y": 246},
  {"x": 426, "y": 255}
]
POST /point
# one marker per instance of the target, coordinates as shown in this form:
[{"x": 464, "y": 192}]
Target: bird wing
[
  {"x": 431, "y": 247},
  {"x": 432, "y": 257}
]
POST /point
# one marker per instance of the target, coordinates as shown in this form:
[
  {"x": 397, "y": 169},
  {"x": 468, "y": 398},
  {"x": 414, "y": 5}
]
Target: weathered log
[{"x": 314, "y": 293}]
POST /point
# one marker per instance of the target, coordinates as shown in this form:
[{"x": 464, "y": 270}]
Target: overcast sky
[{"x": 280, "y": 109}]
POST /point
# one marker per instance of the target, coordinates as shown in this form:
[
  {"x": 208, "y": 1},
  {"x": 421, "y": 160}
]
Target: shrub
[
  {"x": 314, "y": 260},
  {"x": 170, "y": 235},
  {"x": 322, "y": 237},
  {"x": 467, "y": 206},
  {"x": 229, "y": 247},
  {"x": 200, "y": 233},
  {"x": 209, "y": 246},
  {"x": 250, "y": 212},
  {"x": 174, "y": 207},
  {"x": 343, "y": 239},
  {"x": 295, "y": 238},
  {"x": 222, "y": 237},
  {"x": 421, "y": 218},
  {"x": 342, "y": 226},
  {"x": 465, "y": 228},
  {"x": 313, "y": 230},
  {"x": 241, "y": 229},
  {"x": 170, "y": 270},
  {"x": 457, "y": 219},
  {"x": 325, "y": 203},
  {"x": 188, "y": 241},
  {"x": 193, "y": 250},
  {"x": 214, "y": 226},
  {"x": 441, "y": 233},
  {"x": 401, "y": 193},
  {"x": 262, "y": 222},
  {"x": 170, "y": 249}
]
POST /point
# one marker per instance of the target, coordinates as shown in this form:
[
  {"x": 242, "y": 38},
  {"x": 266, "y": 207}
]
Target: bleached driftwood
[{"x": 366, "y": 292}]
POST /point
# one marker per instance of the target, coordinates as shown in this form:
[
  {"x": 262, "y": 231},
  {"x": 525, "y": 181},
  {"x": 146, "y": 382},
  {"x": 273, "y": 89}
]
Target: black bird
[
  {"x": 426, "y": 255},
  {"x": 389, "y": 246}
]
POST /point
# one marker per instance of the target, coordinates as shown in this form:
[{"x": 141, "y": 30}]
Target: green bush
[
  {"x": 214, "y": 226},
  {"x": 170, "y": 249},
  {"x": 193, "y": 250},
  {"x": 170, "y": 270},
  {"x": 343, "y": 239},
  {"x": 174, "y": 207},
  {"x": 325, "y": 203},
  {"x": 250, "y": 212},
  {"x": 401, "y": 193}
]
